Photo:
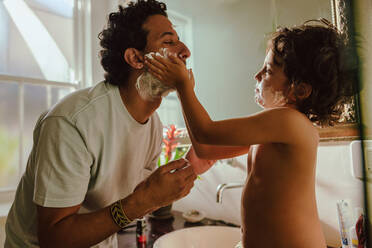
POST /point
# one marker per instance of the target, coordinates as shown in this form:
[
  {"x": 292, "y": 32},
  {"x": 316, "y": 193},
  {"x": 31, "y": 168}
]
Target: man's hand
[
  {"x": 167, "y": 184},
  {"x": 198, "y": 165}
]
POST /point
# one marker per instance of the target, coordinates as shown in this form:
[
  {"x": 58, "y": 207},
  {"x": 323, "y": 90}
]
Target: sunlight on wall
[
  {"x": 63, "y": 8},
  {"x": 44, "y": 49}
]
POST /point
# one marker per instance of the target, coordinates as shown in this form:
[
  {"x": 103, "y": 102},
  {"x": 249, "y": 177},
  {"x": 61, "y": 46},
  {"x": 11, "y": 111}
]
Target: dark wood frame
[
  {"x": 339, "y": 132},
  {"x": 347, "y": 130}
]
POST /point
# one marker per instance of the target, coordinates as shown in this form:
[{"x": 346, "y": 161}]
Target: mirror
[{"x": 228, "y": 47}]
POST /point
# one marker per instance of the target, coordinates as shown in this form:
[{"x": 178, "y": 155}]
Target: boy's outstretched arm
[
  {"x": 215, "y": 152},
  {"x": 279, "y": 125}
]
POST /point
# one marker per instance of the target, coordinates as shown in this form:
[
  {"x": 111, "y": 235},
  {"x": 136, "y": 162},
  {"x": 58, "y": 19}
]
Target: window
[
  {"x": 40, "y": 62},
  {"x": 170, "y": 111}
]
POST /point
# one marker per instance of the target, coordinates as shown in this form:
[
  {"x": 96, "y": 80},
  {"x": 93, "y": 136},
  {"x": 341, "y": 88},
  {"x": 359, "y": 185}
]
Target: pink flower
[{"x": 171, "y": 141}]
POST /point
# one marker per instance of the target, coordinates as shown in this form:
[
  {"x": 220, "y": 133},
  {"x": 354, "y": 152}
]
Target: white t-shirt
[{"x": 87, "y": 149}]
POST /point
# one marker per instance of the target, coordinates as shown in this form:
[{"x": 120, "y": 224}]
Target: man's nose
[{"x": 183, "y": 52}]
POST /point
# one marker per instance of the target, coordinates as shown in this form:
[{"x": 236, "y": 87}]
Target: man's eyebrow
[{"x": 168, "y": 33}]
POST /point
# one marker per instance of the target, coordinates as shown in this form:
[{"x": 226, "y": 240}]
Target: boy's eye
[
  {"x": 267, "y": 71},
  {"x": 169, "y": 42}
]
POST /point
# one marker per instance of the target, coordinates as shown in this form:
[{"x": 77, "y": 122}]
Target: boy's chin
[{"x": 260, "y": 103}]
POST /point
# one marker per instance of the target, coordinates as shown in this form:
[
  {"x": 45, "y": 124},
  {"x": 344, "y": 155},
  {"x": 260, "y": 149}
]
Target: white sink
[{"x": 200, "y": 237}]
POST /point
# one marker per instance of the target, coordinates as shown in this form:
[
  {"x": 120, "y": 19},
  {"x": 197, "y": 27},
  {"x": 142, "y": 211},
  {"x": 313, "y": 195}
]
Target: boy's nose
[{"x": 258, "y": 76}]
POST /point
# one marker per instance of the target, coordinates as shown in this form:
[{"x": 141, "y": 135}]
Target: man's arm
[{"x": 64, "y": 227}]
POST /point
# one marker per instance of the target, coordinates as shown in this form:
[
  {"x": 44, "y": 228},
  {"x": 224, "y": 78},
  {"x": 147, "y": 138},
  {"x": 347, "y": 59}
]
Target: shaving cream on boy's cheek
[
  {"x": 269, "y": 97},
  {"x": 149, "y": 87}
]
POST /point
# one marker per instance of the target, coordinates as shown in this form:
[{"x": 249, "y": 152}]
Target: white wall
[
  {"x": 99, "y": 17},
  {"x": 227, "y": 53}
]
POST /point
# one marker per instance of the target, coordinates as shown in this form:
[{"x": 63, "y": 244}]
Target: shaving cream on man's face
[{"x": 149, "y": 87}]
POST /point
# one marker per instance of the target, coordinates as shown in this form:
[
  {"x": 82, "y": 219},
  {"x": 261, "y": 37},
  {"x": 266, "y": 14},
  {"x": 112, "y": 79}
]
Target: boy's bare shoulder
[{"x": 295, "y": 124}]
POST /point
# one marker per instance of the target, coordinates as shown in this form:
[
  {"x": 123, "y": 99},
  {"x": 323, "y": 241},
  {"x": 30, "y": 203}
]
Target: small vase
[{"x": 162, "y": 213}]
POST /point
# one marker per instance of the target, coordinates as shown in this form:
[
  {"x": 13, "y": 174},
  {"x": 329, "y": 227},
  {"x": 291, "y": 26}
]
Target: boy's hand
[
  {"x": 171, "y": 71},
  {"x": 198, "y": 165}
]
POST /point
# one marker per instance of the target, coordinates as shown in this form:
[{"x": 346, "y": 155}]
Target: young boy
[{"x": 302, "y": 82}]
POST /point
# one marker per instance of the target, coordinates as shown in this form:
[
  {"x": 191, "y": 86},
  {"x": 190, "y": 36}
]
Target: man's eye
[{"x": 169, "y": 42}]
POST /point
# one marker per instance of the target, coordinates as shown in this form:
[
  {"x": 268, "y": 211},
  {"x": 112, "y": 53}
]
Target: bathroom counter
[{"x": 158, "y": 227}]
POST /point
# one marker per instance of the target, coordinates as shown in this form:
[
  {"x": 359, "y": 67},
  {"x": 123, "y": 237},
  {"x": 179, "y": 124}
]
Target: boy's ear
[
  {"x": 303, "y": 90},
  {"x": 134, "y": 58},
  {"x": 300, "y": 92}
]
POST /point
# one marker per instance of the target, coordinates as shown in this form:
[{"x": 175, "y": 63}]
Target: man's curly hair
[
  {"x": 319, "y": 56},
  {"x": 124, "y": 30}
]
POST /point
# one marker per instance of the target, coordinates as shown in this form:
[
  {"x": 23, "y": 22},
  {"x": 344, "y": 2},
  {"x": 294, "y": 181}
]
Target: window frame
[{"x": 82, "y": 66}]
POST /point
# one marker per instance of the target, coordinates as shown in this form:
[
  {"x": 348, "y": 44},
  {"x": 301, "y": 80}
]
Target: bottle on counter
[
  {"x": 140, "y": 233},
  {"x": 345, "y": 221},
  {"x": 357, "y": 235}
]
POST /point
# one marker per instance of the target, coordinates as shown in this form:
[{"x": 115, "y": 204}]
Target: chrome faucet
[{"x": 221, "y": 187}]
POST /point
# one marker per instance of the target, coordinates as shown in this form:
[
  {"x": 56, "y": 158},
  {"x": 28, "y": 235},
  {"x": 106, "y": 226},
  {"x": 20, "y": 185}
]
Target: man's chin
[
  {"x": 156, "y": 100},
  {"x": 150, "y": 88}
]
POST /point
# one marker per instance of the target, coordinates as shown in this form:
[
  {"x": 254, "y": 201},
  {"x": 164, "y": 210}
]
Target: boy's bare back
[{"x": 278, "y": 200}]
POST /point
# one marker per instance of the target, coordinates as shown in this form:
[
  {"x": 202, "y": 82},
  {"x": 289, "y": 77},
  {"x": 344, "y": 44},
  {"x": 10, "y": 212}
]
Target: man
[{"x": 84, "y": 177}]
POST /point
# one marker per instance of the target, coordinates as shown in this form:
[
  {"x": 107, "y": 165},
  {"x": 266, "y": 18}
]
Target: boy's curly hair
[
  {"x": 319, "y": 56},
  {"x": 124, "y": 30}
]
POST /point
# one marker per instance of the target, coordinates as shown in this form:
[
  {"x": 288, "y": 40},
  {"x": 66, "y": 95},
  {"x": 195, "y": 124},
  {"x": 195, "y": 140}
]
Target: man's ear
[{"x": 134, "y": 58}]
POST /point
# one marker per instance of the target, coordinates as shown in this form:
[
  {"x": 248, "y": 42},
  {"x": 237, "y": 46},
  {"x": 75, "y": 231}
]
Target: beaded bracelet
[{"x": 118, "y": 215}]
